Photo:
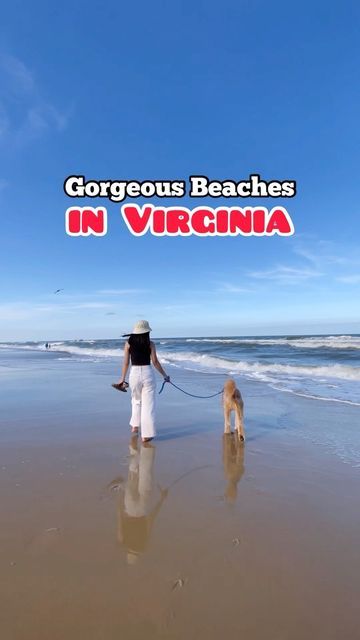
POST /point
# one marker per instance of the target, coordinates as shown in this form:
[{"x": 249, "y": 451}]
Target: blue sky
[{"x": 164, "y": 90}]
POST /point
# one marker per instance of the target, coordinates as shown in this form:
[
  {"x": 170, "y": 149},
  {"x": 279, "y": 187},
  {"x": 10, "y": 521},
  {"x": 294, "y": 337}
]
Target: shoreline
[{"x": 325, "y": 368}]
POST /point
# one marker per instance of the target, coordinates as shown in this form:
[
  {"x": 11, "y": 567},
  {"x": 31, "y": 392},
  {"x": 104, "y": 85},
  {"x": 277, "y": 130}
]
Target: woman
[{"x": 141, "y": 351}]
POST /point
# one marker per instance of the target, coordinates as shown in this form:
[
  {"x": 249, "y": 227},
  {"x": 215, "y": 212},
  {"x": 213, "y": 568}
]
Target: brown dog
[{"x": 233, "y": 401}]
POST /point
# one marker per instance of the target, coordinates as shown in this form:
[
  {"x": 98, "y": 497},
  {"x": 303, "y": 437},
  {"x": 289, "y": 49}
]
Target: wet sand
[{"x": 195, "y": 537}]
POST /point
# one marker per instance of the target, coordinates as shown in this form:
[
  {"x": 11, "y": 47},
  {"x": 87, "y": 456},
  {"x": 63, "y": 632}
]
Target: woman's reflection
[
  {"x": 233, "y": 460},
  {"x": 136, "y": 510}
]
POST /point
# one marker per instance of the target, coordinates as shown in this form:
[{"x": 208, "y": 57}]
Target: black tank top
[{"x": 140, "y": 355}]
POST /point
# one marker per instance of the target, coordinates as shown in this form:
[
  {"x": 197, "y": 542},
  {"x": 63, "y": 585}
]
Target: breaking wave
[
  {"x": 328, "y": 342},
  {"x": 321, "y": 367},
  {"x": 213, "y": 363}
]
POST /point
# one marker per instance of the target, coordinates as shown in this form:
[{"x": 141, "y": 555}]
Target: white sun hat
[{"x": 142, "y": 326}]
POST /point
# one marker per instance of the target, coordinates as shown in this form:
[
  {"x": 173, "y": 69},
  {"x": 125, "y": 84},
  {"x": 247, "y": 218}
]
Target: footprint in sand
[
  {"x": 116, "y": 484},
  {"x": 179, "y": 584},
  {"x": 44, "y": 541}
]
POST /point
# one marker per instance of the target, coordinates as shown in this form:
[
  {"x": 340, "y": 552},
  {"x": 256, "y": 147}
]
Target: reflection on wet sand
[
  {"x": 137, "y": 505},
  {"x": 234, "y": 466},
  {"x": 139, "y": 501}
]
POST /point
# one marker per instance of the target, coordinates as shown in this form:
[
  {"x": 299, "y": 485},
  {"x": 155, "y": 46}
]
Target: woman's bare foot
[
  {"x": 134, "y": 429},
  {"x": 145, "y": 440}
]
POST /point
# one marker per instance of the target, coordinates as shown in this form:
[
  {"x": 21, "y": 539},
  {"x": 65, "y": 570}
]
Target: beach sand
[{"x": 255, "y": 541}]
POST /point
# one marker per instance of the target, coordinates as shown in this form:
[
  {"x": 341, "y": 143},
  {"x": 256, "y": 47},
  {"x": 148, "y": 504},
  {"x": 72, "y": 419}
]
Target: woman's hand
[
  {"x": 167, "y": 378},
  {"x": 120, "y": 386}
]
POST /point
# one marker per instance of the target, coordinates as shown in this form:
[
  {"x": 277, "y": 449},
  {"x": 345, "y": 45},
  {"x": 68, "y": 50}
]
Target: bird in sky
[{"x": 58, "y": 290}]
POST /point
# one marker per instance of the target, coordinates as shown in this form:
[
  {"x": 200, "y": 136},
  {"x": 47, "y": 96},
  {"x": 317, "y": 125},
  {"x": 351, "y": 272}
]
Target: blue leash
[{"x": 186, "y": 392}]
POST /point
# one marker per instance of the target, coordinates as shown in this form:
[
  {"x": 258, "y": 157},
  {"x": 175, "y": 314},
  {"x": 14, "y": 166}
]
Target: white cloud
[
  {"x": 351, "y": 279},
  {"x": 20, "y": 76},
  {"x": 231, "y": 288},
  {"x": 323, "y": 253},
  {"x": 4, "y": 121},
  {"x": 335, "y": 260},
  {"x": 286, "y": 275},
  {"x": 88, "y": 305},
  {"x": 24, "y": 113},
  {"x": 120, "y": 292},
  {"x": 24, "y": 310}
]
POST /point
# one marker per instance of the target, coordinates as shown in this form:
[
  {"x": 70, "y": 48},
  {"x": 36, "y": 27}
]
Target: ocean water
[{"x": 325, "y": 367}]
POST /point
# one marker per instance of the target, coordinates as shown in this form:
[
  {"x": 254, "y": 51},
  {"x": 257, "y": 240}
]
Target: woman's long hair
[{"x": 139, "y": 339}]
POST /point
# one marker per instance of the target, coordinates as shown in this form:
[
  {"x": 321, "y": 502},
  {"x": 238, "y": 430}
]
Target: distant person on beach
[{"x": 141, "y": 351}]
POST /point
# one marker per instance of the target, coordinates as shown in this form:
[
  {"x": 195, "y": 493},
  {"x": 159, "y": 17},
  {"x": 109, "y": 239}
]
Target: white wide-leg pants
[{"x": 143, "y": 387}]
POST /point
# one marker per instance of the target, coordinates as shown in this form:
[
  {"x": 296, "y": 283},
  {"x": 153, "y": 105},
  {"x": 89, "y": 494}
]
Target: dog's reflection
[
  {"x": 234, "y": 464},
  {"x": 137, "y": 507}
]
